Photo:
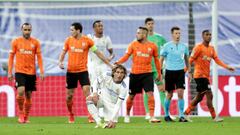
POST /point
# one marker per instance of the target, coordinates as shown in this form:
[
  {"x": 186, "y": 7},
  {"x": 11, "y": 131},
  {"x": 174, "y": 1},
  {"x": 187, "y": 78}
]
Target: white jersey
[
  {"x": 109, "y": 94},
  {"x": 103, "y": 44}
]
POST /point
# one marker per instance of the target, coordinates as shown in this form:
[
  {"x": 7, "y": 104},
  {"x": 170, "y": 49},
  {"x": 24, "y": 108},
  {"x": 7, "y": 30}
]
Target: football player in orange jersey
[
  {"x": 25, "y": 49},
  {"x": 77, "y": 46},
  {"x": 201, "y": 56}
]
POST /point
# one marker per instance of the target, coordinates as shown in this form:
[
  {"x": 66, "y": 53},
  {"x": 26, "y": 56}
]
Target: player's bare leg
[
  {"x": 209, "y": 96},
  {"x": 86, "y": 92}
]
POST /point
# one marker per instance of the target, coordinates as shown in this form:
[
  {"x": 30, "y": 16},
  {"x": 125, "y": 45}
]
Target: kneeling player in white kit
[{"x": 109, "y": 92}]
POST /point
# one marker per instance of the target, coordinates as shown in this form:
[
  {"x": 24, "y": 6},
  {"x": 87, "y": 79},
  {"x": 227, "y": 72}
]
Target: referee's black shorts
[{"x": 174, "y": 79}]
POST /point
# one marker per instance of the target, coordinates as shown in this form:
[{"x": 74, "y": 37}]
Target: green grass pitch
[{"x": 138, "y": 126}]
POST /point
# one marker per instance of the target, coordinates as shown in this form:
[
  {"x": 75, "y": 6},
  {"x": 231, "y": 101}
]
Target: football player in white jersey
[
  {"x": 104, "y": 44},
  {"x": 109, "y": 92}
]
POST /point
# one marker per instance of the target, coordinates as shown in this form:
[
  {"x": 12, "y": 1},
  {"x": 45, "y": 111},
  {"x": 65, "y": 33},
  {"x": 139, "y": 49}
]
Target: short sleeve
[
  {"x": 66, "y": 45},
  {"x": 164, "y": 52}
]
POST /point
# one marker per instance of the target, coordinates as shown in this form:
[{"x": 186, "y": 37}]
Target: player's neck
[
  {"x": 175, "y": 42},
  {"x": 143, "y": 41},
  {"x": 98, "y": 35},
  {"x": 26, "y": 38},
  {"x": 150, "y": 33},
  {"x": 206, "y": 43},
  {"x": 78, "y": 36}
]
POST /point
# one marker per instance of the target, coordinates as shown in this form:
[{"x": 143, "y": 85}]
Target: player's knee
[{"x": 69, "y": 97}]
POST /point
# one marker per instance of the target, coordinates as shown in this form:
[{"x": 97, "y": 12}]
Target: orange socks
[
  {"x": 189, "y": 109},
  {"x": 212, "y": 112},
  {"x": 20, "y": 102},
  {"x": 151, "y": 105},
  {"x": 69, "y": 106},
  {"x": 27, "y": 107},
  {"x": 129, "y": 105}
]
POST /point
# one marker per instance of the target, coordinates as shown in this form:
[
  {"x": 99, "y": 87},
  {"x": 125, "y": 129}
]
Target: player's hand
[
  {"x": 42, "y": 76},
  {"x": 95, "y": 97},
  {"x": 61, "y": 65},
  {"x": 111, "y": 124},
  {"x": 232, "y": 69},
  {"x": 10, "y": 77}
]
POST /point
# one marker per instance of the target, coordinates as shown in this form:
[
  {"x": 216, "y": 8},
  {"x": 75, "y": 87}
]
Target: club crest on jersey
[
  {"x": 32, "y": 45},
  {"x": 149, "y": 49},
  {"x": 83, "y": 44}
]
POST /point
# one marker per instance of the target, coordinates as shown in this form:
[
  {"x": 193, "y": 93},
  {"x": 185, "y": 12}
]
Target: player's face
[
  {"x": 26, "y": 31},
  {"x": 118, "y": 76},
  {"x": 150, "y": 25},
  {"x": 74, "y": 32},
  {"x": 207, "y": 36},
  {"x": 141, "y": 35},
  {"x": 176, "y": 35},
  {"x": 98, "y": 28}
]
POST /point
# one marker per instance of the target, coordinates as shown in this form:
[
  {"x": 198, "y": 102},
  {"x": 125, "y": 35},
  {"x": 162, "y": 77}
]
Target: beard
[
  {"x": 139, "y": 40},
  {"x": 27, "y": 36}
]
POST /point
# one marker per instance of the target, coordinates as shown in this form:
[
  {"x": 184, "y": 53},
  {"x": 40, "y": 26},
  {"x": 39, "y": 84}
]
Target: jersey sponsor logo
[
  {"x": 205, "y": 57},
  {"x": 76, "y": 50},
  {"x": 23, "y": 51},
  {"x": 142, "y": 54}
]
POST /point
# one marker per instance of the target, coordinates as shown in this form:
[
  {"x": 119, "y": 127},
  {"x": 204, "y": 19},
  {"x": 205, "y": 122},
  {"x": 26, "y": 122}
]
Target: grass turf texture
[{"x": 138, "y": 126}]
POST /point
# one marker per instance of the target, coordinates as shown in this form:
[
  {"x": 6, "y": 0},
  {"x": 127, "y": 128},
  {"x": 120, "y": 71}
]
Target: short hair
[
  {"x": 118, "y": 66},
  {"x": 78, "y": 26},
  {"x": 94, "y": 23},
  {"x": 26, "y": 23},
  {"x": 143, "y": 28},
  {"x": 205, "y": 31},
  {"x": 148, "y": 20},
  {"x": 174, "y": 28}
]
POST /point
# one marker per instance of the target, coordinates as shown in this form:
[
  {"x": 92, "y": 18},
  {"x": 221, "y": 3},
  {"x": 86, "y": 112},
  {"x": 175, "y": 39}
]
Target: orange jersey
[
  {"x": 77, "y": 53},
  {"x": 202, "y": 56},
  {"x": 25, "y": 51},
  {"x": 141, "y": 56}
]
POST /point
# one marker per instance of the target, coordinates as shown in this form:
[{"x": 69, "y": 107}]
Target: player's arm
[
  {"x": 187, "y": 63},
  {"x": 157, "y": 62},
  {"x": 112, "y": 55},
  {"x": 163, "y": 54},
  {"x": 12, "y": 53},
  {"x": 63, "y": 53},
  {"x": 220, "y": 63},
  {"x": 110, "y": 49},
  {"x": 101, "y": 56},
  {"x": 61, "y": 58},
  {"x": 195, "y": 54},
  {"x": 122, "y": 95},
  {"x": 126, "y": 56},
  {"x": 95, "y": 87},
  {"x": 40, "y": 61}
]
